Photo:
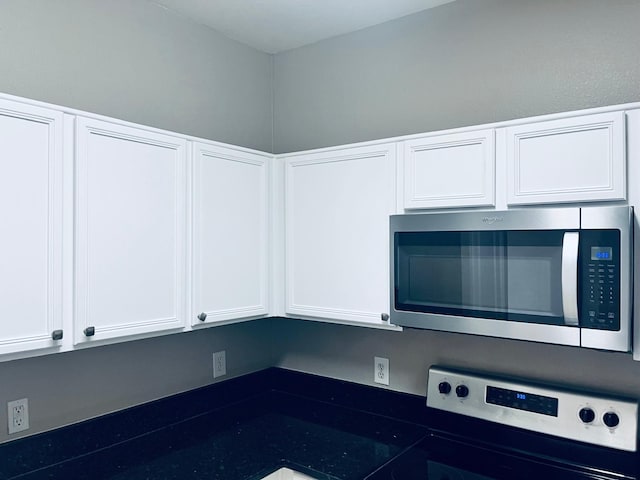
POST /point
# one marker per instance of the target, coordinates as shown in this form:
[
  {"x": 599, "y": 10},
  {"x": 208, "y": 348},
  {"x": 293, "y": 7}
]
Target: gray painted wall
[
  {"x": 346, "y": 352},
  {"x": 136, "y": 61},
  {"x": 465, "y": 63}
]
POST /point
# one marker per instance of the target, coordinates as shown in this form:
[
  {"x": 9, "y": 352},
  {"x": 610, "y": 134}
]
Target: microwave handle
[{"x": 570, "y": 245}]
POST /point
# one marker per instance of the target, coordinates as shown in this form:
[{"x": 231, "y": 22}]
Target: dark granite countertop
[
  {"x": 242, "y": 429},
  {"x": 248, "y": 427}
]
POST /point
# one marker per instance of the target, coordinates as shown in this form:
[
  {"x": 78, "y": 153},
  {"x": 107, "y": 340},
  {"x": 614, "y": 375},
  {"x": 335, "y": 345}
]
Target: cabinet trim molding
[
  {"x": 293, "y": 307},
  {"x": 242, "y": 312},
  {"x": 85, "y": 128},
  {"x": 482, "y": 193},
  {"x": 611, "y": 186},
  {"x": 53, "y": 121}
]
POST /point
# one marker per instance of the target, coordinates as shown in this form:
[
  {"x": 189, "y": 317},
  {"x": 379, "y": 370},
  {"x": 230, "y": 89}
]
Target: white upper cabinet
[
  {"x": 130, "y": 231},
  {"x": 455, "y": 170},
  {"x": 112, "y": 231},
  {"x": 31, "y": 181},
  {"x": 230, "y": 234},
  {"x": 337, "y": 211},
  {"x": 576, "y": 159}
]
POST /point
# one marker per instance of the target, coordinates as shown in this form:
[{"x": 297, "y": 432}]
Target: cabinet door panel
[
  {"x": 337, "y": 227},
  {"x": 567, "y": 160},
  {"x": 230, "y": 244},
  {"x": 31, "y": 241},
  {"x": 454, "y": 170},
  {"x": 131, "y": 230}
]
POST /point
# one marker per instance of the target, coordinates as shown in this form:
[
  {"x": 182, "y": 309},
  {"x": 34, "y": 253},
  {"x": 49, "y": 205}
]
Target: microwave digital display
[{"x": 602, "y": 253}]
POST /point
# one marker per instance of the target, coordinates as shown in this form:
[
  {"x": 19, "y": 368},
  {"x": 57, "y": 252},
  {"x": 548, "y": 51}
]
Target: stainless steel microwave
[{"x": 556, "y": 275}]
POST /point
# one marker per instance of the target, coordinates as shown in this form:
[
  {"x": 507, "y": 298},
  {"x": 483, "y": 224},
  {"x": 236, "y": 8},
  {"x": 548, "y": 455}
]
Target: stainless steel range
[{"x": 485, "y": 427}]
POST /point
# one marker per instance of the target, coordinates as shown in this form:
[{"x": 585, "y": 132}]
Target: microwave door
[
  {"x": 508, "y": 276},
  {"x": 570, "y": 249}
]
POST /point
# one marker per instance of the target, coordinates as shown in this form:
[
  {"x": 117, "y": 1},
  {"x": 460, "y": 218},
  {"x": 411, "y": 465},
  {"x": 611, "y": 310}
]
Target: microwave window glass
[{"x": 505, "y": 275}]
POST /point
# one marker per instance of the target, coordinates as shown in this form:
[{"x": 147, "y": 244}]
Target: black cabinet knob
[
  {"x": 611, "y": 419},
  {"x": 202, "y": 317},
  {"x": 587, "y": 415},
  {"x": 462, "y": 391},
  {"x": 57, "y": 335},
  {"x": 89, "y": 331},
  {"x": 444, "y": 388}
]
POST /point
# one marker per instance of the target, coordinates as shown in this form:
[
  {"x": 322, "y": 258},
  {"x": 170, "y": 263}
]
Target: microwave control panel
[{"x": 600, "y": 273}]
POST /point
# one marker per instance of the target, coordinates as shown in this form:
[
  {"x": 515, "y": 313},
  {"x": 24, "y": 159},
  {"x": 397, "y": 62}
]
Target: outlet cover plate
[
  {"x": 381, "y": 370},
  {"x": 18, "y": 415},
  {"x": 219, "y": 364}
]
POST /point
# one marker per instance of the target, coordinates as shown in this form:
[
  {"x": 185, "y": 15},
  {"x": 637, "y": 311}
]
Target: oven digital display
[
  {"x": 601, "y": 253},
  {"x": 522, "y": 401}
]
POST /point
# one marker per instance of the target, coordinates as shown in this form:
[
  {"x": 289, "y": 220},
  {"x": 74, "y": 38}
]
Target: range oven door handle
[{"x": 570, "y": 244}]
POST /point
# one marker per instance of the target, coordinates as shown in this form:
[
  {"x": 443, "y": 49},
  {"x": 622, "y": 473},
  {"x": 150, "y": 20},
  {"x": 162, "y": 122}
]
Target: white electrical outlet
[
  {"x": 381, "y": 370},
  {"x": 219, "y": 364},
  {"x": 18, "y": 411}
]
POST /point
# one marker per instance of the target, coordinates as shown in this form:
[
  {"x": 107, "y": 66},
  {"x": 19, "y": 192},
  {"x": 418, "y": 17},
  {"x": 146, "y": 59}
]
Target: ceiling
[{"x": 273, "y": 26}]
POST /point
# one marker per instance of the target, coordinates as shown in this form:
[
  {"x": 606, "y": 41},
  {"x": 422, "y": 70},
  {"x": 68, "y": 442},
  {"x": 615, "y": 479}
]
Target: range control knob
[
  {"x": 444, "y": 387},
  {"x": 611, "y": 419},
  {"x": 462, "y": 391},
  {"x": 587, "y": 415}
]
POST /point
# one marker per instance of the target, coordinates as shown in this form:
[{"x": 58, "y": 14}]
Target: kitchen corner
[
  {"x": 196, "y": 275},
  {"x": 241, "y": 429}
]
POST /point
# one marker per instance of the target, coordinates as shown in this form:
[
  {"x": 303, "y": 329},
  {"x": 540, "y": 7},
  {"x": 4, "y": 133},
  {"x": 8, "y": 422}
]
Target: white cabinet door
[
  {"x": 31, "y": 162},
  {"x": 576, "y": 159},
  {"x": 455, "y": 170},
  {"x": 338, "y": 204},
  {"x": 130, "y": 231},
  {"x": 230, "y": 234}
]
